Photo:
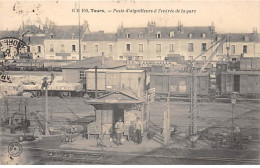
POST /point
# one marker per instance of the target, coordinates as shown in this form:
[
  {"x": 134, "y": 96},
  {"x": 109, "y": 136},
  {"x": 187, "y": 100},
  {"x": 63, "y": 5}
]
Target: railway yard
[
  {"x": 109, "y": 89},
  {"x": 213, "y": 116},
  {"x": 179, "y": 128}
]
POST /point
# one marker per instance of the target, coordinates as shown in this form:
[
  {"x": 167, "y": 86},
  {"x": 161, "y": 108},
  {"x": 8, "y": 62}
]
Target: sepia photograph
[{"x": 130, "y": 82}]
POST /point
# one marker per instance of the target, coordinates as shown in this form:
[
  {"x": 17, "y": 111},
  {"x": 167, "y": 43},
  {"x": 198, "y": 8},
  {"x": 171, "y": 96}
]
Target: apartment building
[
  {"x": 62, "y": 42},
  {"x": 136, "y": 43},
  {"x": 158, "y": 43},
  {"x": 239, "y": 45},
  {"x": 99, "y": 44}
]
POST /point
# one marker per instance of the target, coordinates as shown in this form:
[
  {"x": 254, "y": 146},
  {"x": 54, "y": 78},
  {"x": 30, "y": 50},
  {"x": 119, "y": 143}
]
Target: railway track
[{"x": 114, "y": 158}]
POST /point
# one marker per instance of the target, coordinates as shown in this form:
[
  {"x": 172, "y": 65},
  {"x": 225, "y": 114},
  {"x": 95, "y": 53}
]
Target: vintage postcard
[{"x": 130, "y": 82}]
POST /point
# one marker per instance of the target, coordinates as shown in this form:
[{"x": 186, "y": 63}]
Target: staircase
[{"x": 156, "y": 133}]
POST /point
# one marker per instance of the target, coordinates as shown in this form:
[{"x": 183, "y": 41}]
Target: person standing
[
  {"x": 138, "y": 130},
  {"x": 119, "y": 127},
  {"x": 131, "y": 131}
]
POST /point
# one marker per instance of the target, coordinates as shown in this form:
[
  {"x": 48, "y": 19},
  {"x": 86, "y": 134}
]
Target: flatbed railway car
[
  {"x": 178, "y": 84},
  {"x": 64, "y": 90},
  {"x": 34, "y": 65}
]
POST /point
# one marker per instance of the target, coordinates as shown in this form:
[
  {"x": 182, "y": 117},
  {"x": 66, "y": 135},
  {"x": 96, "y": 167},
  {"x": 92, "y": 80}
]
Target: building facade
[
  {"x": 62, "y": 42},
  {"x": 138, "y": 43},
  {"x": 239, "y": 45},
  {"x": 99, "y": 44},
  {"x": 158, "y": 43}
]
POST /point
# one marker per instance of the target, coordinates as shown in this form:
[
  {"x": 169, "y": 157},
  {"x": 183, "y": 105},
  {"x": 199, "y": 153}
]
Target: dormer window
[
  {"x": 172, "y": 34},
  {"x": 190, "y": 35},
  {"x": 203, "y": 35},
  {"x": 51, "y": 36},
  {"x": 246, "y": 38},
  {"x": 140, "y": 35},
  {"x": 158, "y": 35},
  {"x": 128, "y": 35},
  {"x": 73, "y": 36}
]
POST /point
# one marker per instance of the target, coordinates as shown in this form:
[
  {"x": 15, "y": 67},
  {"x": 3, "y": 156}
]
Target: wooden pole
[
  {"x": 193, "y": 107},
  {"x": 46, "y": 111},
  {"x": 165, "y": 127},
  {"x": 79, "y": 35},
  {"x": 96, "y": 94},
  {"x": 167, "y": 122}
]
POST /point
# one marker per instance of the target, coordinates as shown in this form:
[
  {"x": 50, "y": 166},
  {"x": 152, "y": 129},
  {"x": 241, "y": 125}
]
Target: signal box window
[{"x": 82, "y": 75}]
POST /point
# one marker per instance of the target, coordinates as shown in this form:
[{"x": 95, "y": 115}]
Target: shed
[{"x": 112, "y": 106}]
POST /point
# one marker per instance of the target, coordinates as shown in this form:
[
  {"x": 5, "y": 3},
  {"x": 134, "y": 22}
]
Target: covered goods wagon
[
  {"x": 242, "y": 82},
  {"x": 114, "y": 80},
  {"x": 250, "y": 64},
  {"x": 178, "y": 83}
]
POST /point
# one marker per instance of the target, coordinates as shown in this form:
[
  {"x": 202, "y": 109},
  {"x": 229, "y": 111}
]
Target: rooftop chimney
[
  {"x": 103, "y": 59},
  {"x": 180, "y": 27},
  {"x": 151, "y": 26},
  {"x": 212, "y": 28}
]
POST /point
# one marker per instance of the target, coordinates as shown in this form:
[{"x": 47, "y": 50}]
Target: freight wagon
[
  {"x": 115, "y": 80},
  {"x": 246, "y": 83},
  {"x": 250, "y": 64},
  {"x": 178, "y": 84}
]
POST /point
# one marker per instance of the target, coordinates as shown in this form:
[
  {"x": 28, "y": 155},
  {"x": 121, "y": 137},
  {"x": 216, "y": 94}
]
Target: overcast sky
[{"x": 228, "y": 16}]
